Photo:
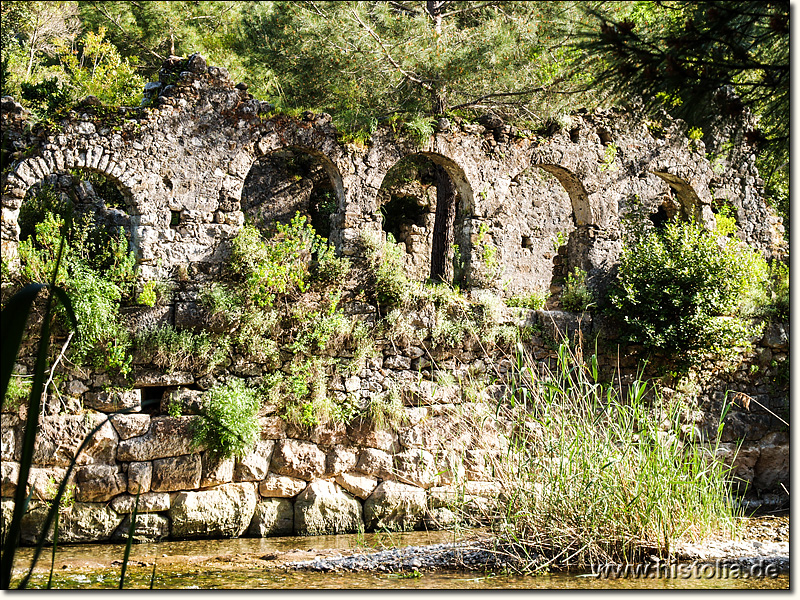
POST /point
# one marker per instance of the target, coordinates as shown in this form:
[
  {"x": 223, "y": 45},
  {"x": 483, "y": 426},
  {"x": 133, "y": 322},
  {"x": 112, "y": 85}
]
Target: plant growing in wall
[
  {"x": 679, "y": 290},
  {"x": 228, "y": 425}
]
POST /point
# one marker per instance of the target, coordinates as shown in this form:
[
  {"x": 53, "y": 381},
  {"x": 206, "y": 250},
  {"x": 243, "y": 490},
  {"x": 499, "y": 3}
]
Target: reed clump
[{"x": 597, "y": 472}]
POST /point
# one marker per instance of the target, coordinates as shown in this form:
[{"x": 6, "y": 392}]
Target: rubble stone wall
[{"x": 190, "y": 165}]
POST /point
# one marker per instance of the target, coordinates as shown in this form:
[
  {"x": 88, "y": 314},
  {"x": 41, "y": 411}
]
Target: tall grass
[{"x": 595, "y": 472}]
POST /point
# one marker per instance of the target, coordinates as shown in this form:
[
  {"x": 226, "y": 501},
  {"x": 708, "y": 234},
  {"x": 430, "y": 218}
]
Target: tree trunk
[{"x": 442, "y": 244}]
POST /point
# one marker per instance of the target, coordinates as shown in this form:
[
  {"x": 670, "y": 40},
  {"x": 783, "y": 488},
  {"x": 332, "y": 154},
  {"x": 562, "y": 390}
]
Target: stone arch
[
  {"x": 408, "y": 211},
  {"x": 37, "y": 169},
  {"x": 292, "y": 178},
  {"x": 581, "y": 209},
  {"x": 684, "y": 192}
]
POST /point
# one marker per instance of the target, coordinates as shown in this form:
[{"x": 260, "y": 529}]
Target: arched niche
[
  {"x": 99, "y": 205},
  {"x": 407, "y": 203},
  {"x": 689, "y": 204},
  {"x": 292, "y": 180},
  {"x": 581, "y": 210}
]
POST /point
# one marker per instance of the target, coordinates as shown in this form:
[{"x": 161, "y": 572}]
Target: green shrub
[
  {"x": 534, "y": 300},
  {"x": 184, "y": 350},
  {"x": 391, "y": 282},
  {"x": 147, "y": 297},
  {"x": 273, "y": 267},
  {"x": 576, "y": 297},
  {"x": 229, "y": 424},
  {"x": 678, "y": 290}
]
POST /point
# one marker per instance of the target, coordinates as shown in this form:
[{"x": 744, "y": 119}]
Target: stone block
[
  {"x": 324, "y": 508},
  {"x": 340, "y": 460},
  {"x": 114, "y": 401},
  {"x": 148, "y": 503},
  {"x": 80, "y": 522},
  {"x": 254, "y": 465},
  {"x": 272, "y": 517},
  {"x": 225, "y": 511},
  {"x": 281, "y": 486},
  {"x": 299, "y": 459},
  {"x": 216, "y": 471},
  {"x": 375, "y": 463},
  {"x": 148, "y": 528},
  {"x": 132, "y": 425},
  {"x": 358, "y": 485},
  {"x": 177, "y": 473},
  {"x": 168, "y": 436},
  {"x": 395, "y": 506},
  {"x": 99, "y": 483},
  {"x": 140, "y": 477}
]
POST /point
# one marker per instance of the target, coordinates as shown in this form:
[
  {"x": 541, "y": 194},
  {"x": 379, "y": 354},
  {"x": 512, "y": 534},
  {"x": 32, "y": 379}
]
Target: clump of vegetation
[
  {"x": 97, "y": 270},
  {"x": 596, "y": 472},
  {"x": 576, "y": 296},
  {"x": 229, "y": 425},
  {"x": 532, "y": 300},
  {"x": 680, "y": 290},
  {"x": 181, "y": 350}
]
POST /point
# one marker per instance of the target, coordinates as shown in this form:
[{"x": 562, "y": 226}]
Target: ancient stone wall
[{"x": 203, "y": 155}]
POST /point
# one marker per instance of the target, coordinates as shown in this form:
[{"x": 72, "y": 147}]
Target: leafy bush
[
  {"x": 275, "y": 266},
  {"x": 183, "y": 350},
  {"x": 576, "y": 297},
  {"x": 533, "y": 300},
  {"x": 678, "y": 290},
  {"x": 391, "y": 282},
  {"x": 229, "y": 425}
]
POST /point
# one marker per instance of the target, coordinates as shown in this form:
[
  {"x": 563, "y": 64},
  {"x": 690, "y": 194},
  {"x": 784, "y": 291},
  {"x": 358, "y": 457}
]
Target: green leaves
[
  {"x": 229, "y": 425},
  {"x": 678, "y": 290}
]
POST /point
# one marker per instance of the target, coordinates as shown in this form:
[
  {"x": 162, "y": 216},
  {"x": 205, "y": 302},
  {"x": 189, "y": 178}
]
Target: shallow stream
[{"x": 255, "y": 563}]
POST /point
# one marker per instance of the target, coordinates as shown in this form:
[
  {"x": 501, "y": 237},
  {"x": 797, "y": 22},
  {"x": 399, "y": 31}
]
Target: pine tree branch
[{"x": 388, "y": 55}]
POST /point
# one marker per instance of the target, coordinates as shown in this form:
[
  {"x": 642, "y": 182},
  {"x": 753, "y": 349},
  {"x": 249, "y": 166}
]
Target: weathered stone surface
[
  {"x": 80, "y": 522},
  {"x": 324, "y": 508},
  {"x": 416, "y": 467},
  {"x": 340, "y": 460},
  {"x": 225, "y": 511},
  {"x": 43, "y": 482},
  {"x": 99, "y": 483},
  {"x": 272, "y": 428},
  {"x": 299, "y": 459},
  {"x": 376, "y": 463},
  {"x": 281, "y": 486},
  {"x": 254, "y": 465},
  {"x": 148, "y": 503},
  {"x": 148, "y": 528},
  {"x": 358, "y": 485},
  {"x": 60, "y": 437},
  {"x": 363, "y": 433},
  {"x": 176, "y": 473},
  {"x": 772, "y": 467},
  {"x": 168, "y": 436},
  {"x": 9, "y": 475},
  {"x": 8, "y": 436},
  {"x": 272, "y": 517},
  {"x": 140, "y": 477},
  {"x": 395, "y": 506},
  {"x": 6, "y": 514},
  {"x": 216, "y": 471},
  {"x": 114, "y": 401},
  {"x": 131, "y": 425}
]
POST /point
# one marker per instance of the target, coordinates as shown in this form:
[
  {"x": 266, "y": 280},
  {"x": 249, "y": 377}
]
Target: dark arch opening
[
  {"x": 407, "y": 202},
  {"x": 290, "y": 181},
  {"x": 99, "y": 207}
]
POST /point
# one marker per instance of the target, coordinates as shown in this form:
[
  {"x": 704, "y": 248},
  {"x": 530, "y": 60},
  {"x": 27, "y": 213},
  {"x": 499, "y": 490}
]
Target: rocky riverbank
[{"x": 764, "y": 541}]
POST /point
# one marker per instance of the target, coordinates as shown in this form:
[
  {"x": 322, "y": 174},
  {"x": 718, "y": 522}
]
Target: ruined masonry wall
[{"x": 183, "y": 162}]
